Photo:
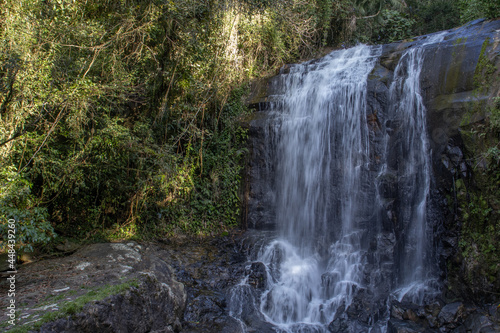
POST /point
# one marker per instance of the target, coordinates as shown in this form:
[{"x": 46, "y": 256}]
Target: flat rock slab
[{"x": 43, "y": 286}]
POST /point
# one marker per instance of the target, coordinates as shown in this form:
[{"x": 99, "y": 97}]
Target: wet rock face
[
  {"x": 400, "y": 326},
  {"x": 455, "y": 317},
  {"x": 448, "y": 88},
  {"x": 260, "y": 172},
  {"x": 208, "y": 270},
  {"x": 257, "y": 276}
]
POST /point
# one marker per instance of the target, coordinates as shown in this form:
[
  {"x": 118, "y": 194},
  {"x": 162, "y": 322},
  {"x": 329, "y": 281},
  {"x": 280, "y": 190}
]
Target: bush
[
  {"x": 396, "y": 26},
  {"x": 18, "y": 203},
  {"x": 474, "y": 9}
]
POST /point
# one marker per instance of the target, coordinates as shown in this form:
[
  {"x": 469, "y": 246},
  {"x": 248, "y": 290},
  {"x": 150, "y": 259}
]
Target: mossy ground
[{"x": 68, "y": 304}]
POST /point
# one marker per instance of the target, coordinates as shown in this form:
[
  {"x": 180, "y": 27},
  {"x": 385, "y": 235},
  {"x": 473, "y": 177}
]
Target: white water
[
  {"x": 324, "y": 142},
  {"x": 416, "y": 278}
]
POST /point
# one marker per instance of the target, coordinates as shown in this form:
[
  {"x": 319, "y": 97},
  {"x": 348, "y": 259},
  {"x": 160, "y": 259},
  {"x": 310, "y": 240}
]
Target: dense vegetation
[
  {"x": 478, "y": 197},
  {"x": 120, "y": 117}
]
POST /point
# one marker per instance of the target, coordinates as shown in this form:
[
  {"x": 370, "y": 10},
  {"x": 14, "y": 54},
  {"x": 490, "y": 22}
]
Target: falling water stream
[
  {"x": 322, "y": 154},
  {"x": 415, "y": 278},
  {"x": 327, "y": 202}
]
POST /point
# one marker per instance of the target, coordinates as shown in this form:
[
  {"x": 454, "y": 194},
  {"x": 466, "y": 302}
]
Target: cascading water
[
  {"x": 415, "y": 277},
  {"x": 328, "y": 200},
  {"x": 322, "y": 157}
]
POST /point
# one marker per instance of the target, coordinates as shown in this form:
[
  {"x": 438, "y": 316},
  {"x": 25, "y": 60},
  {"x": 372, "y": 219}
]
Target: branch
[
  {"x": 44, "y": 140},
  {"x": 20, "y": 133},
  {"x": 367, "y": 17},
  {"x": 7, "y": 99}
]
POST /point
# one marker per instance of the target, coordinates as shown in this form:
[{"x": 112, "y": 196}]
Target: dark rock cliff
[{"x": 459, "y": 84}]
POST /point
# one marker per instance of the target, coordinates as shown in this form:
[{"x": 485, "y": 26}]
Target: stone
[
  {"x": 338, "y": 325},
  {"x": 450, "y": 312},
  {"x": 397, "y": 312},
  {"x": 155, "y": 305},
  {"x": 160, "y": 302},
  {"x": 68, "y": 246},
  {"x": 204, "y": 309},
  {"x": 409, "y": 314},
  {"x": 402, "y": 326},
  {"x": 257, "y": 276},
  {"x": 478, "y": 323},
  {"x": 494, "y": 312}
]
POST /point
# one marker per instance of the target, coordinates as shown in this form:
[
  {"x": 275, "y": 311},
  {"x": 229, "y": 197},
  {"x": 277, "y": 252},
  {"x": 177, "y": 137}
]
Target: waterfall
[
  {"x": 322, "y": 158},
  {"x": 415, "y": 277},
  {"x": 337, "y": 243}
]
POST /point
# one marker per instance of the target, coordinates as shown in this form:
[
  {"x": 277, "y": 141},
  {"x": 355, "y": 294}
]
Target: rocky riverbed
[
  {"x": 174, "y": 287},
  {"x": 187, "y": 286}
]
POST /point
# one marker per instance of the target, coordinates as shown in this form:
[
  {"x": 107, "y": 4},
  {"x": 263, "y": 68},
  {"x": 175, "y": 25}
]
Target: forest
[{"x": 120, "y": 119}]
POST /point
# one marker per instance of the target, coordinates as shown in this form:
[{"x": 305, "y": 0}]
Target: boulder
[
  {"x": 155, "y": 305},
  {"x": 479, "y": 323},
  {"x": 403, "y": 326},
  {"x": 450, "y": 313}
]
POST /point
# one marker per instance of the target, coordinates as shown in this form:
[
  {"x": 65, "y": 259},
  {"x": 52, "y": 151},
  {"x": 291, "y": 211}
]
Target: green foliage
[
  {"x": 432, "y": 16},
  {"x": 492, "y": 154},
  {"x": 479, "y": 199},
  {"x": 18, "y": 203},
  {"x": 396, "y": 26},
  {"x": 387, "y": 21},
  {"x": 366, "y": 20},
  {"x": 474, "y": 9},
  {"x": 480, "y": 234},
  {"x": 485, "y": 68},
  {"x": 121, "y": 116},
  {"x": 202, "y": 195},
  {"x": 495, "y": 115},
  {"x": 372, "y": 8}
]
